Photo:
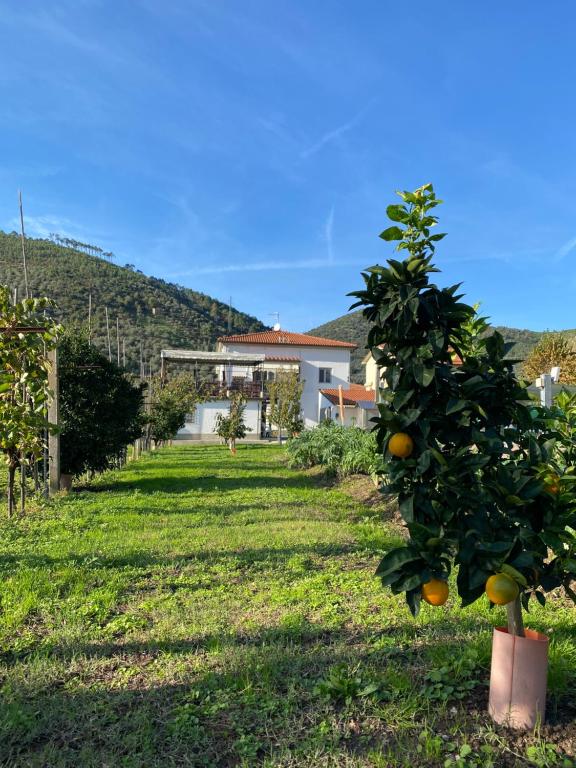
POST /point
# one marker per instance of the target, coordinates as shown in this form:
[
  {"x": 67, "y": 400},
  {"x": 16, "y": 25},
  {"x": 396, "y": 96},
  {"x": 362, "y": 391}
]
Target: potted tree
[{"x": 481, "y": 473}]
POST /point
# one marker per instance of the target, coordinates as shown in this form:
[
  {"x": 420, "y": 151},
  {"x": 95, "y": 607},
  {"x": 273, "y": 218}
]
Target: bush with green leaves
[
  {"x": 171, "y": 402},
  {"x": 340, "y": 450},
  {"x": 26, "y": 336},
  {"x": 232, "y": 427},
  {"x": 101, "y": 409},
  {"x": 473, "y": 491}
]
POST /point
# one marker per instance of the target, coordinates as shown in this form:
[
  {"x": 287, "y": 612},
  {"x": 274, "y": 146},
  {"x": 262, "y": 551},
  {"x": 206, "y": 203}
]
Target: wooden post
[
  {"x": 54, "y": 418},
  {"x": 108, "y": 335},
  {"x": 90, "y": 319},
  {"x": 341, "y": 404},
  {"x": 23, "y": 240}
]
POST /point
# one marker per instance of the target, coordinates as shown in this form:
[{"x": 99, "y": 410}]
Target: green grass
[{"x": 200, "y": 610}]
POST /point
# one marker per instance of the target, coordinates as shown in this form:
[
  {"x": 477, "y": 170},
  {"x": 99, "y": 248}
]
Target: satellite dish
[{"x": 276, "y": 326}]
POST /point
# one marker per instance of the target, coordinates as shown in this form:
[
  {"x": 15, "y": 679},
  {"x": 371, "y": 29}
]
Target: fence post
[
  {"x": 546, "y": 390},
  {"x": 54, "y": 418}
]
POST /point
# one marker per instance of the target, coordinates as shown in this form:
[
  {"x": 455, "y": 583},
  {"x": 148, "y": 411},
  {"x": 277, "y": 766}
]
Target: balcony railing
[{"x": 220, "y": 390}]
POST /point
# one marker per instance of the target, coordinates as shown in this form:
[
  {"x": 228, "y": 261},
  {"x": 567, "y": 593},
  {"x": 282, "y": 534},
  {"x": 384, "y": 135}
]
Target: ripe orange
[
  {"x": 435, "y": 592},
  {"x": 552, "y": 484},
  {"x": 501, "y": 589},
  {"x": 401, "y": 445}
]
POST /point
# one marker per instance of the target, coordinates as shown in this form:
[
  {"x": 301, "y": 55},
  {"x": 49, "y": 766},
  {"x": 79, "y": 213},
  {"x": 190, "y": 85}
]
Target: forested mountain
[
  {"x": 353, "y": 327},
  {"x": 150, "y": 311}
]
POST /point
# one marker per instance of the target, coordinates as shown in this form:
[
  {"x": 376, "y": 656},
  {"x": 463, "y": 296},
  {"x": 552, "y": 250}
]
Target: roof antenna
[{"x": 277, "y": 323}]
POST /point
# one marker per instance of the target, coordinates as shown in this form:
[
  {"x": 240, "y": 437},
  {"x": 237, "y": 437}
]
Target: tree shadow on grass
[
  {"x": 207, "y": 484},
  {"x": 243, "y": 557},
  {"x": 258, "y": 701}
]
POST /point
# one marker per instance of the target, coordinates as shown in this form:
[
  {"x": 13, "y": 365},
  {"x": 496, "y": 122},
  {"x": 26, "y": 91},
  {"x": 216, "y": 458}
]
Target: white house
[
  {"x": 320, "y": 362},
  {"x": 247, "y": 362}
]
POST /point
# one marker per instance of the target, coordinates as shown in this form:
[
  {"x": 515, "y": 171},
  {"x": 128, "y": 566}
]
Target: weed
[
  {"x": 344, "y": 684},
  {"x": 544, "y": 755},
  {"x": 454, "y": 680}
]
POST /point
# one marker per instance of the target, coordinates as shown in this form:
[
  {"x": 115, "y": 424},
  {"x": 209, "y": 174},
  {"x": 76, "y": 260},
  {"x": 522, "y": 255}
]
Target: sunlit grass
[{"x": 183, "y": 611}]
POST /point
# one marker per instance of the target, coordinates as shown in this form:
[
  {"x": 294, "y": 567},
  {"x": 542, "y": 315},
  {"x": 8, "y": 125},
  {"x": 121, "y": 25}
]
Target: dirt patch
[{"x": 362, "y": 489}]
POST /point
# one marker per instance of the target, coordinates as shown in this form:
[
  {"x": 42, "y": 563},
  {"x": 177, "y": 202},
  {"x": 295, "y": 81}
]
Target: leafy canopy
[
  {"x": 100, "y": 408},
  {"x": 232, "y": 427},
  {"x": 285, "y": 401},
  {"x": 473, "y": 492},
  {"x": 26, "y": 337},
  {"x": 170, "y": 405},
  {"x": 553, "y": 349}
]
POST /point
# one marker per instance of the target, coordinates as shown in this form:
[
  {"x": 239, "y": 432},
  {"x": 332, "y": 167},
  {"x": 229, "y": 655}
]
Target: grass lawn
[{"x": 197, "y": 609}]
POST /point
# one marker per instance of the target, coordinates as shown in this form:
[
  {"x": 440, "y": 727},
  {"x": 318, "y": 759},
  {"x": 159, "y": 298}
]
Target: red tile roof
[
  {"x": 352, "y": 396},
  {"x": 281, "y": 359},
  {"x": 285, "y": 337}
]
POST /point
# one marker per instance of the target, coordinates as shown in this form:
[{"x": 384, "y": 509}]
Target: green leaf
[
  {"x": 392, "y": 233},
  {"x": 516, "y": 575},
  {"x": 454, "y": 405},
  {"x": 395, "y": 559},
  {"x": 424, "y": 375},
  {"x": 541, "y": 597},
  {"x": 397, "y": 213}
]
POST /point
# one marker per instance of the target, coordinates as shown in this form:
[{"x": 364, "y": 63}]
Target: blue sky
[{"x": 248, "y": 148}]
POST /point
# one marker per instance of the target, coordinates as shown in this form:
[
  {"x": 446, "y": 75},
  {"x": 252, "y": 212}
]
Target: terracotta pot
[
  {"x": 518, "y": 678},
  {"x": 66, "y": 481}
]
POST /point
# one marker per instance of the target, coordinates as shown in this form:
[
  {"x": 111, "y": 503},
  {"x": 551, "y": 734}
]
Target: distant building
[
  {"x": 248, "y": 362},
  {"x": 320, "y": 363}
]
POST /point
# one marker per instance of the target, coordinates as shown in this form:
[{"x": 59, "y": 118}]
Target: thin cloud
[
  {"x": 44, "y": 226},
  {"x": 262, "y": 266},
  {"x": 565, "y": 249},
  {"x": 329, "y": 235},
  {"x": 335, "y": 133}
]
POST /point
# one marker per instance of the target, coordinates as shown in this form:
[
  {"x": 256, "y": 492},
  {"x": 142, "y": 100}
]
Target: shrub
[
  {"x": 100, "y": 408},
  {"x": 340, "y": 450}
]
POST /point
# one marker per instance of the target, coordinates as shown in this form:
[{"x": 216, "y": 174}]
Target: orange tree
[
  {"x": 26, "y": 336},
  {"x": 466, "y": 452}
]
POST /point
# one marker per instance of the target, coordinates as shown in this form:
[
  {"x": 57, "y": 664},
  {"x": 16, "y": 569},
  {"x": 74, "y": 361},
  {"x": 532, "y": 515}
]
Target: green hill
[
  {"x": 150, "y": 311},
  {"x": 354, "y": 328}
]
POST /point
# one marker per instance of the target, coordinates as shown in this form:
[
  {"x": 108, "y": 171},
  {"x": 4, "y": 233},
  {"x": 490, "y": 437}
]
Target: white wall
[
  {"x": 312, "y": 359},
  {"x": 204, "y": 420},
  {"x": 354, "y": 416}
]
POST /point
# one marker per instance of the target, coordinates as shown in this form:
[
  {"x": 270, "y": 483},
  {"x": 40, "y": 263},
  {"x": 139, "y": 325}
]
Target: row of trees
[{"x": 102, "y": 408}]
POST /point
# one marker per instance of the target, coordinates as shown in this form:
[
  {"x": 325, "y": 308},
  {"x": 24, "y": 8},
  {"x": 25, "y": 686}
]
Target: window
[
  {"x": 264, "y": 376},
  {"x": 325, "y": 375}
]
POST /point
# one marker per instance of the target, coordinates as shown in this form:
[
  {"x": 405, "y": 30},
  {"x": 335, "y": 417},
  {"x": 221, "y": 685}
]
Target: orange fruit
[
  {"x": 401, "y": 445},
  {"x": 552, "y": 484},
  {"x": 435, "y": 592},
  {"x": 501, "y": 589}
]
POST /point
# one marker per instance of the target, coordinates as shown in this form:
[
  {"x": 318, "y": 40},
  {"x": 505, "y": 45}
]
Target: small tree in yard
[
  {"x": 100, "y": 408},
  {"x": 26, "y": 336},
  {"x": 552, "y": 349},
  {"x": 482, "y": 476},
  {"x": 232, "y": 427},
  {"x": 285, "y": 402},
  {"x": 170, "y": 405}
]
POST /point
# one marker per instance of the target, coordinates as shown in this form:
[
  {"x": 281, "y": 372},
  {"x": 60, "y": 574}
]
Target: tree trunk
[
  {"x": 515, "y": 622},
  {"x": 22, "y": 484},
  {"x": 11, "y": 499}
]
